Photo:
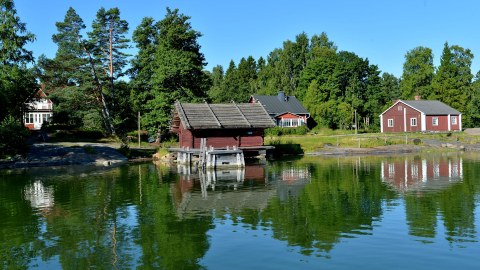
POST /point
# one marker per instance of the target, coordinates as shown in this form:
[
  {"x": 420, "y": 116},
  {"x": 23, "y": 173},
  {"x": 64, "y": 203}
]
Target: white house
[{"x": 39, "y": 111}]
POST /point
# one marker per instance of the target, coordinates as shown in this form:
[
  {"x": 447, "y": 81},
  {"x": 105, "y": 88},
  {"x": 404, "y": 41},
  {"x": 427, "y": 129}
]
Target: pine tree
[{"x": 178, "y": 73}]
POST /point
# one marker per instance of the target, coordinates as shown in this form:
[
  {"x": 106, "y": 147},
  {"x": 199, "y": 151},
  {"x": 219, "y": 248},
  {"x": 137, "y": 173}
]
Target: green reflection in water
[{"x": 152, "y": 217}]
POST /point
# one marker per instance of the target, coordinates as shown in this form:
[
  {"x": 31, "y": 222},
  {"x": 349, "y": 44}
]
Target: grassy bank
[{"x": 315, "y": 141}]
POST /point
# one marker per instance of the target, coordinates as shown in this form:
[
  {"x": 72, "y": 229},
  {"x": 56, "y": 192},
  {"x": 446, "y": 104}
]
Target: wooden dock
[{"x": 209, "y": 157}]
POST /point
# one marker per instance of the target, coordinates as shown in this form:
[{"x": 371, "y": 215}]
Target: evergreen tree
[
  {"x": 391, "y": 87},
  {"x": 143, "y": 65},
  {"x": 13, "y": 36},
  {"x": 67, "y": 76},
  {"x": 17, "y": 82},
  {"x": 108, "y": 42},
  {"x": 452, "y": 83},
  {"x": 178, "y": 74},
  {"x": 216, "y": 93}
]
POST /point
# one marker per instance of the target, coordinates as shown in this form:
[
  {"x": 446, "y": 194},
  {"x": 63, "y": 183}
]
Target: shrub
[
  {"x": 13, "y": 137},
  {"x": 279, "y": 131}
]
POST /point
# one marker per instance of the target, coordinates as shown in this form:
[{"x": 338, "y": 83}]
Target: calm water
[{"x": 405, "y": 212}]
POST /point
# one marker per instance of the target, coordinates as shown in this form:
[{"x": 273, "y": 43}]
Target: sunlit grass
[{"x": 328, "y": 138}]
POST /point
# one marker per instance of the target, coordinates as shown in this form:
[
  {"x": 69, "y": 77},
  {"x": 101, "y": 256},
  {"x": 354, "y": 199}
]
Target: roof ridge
[
  {"x": 213, "y": 113},
  {"x": 241, "y": 113}
]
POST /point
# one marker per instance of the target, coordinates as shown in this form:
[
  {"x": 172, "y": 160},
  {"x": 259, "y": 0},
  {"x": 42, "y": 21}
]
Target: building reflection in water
[
  {"x": 225, "y": 189},
  {"x": 292, "y": 181},
  {"x": 39, "y": 196},
  {"x": 413, "y": 174}
]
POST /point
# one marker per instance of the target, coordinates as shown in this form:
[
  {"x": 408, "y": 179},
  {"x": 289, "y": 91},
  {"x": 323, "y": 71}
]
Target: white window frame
[
  {"x": 413, "y": 121},
  {"x": 454, "y": 120},
  {"x": 435, "y": 121},
  {"x": 390, "y": 122},
  {"x": 400, "y": 108}
]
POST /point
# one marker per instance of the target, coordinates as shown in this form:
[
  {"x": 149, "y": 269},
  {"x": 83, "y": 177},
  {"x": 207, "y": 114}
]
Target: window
[
  {"x": 390, "y": 122},
  {"x": 434, "y": 121},
  {"x": 454, "y": 120},
  {"x": 400, "y": 107},
  {"x": 29, "y": 118},
  {"x": 413, "y": 122}
]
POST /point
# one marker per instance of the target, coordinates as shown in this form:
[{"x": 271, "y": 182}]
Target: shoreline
[{"x": 104, "y": 155}]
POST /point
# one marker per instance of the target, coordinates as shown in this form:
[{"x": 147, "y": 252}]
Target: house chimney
[
  {"x": 281, "y": 96},
  {"x": 418, "y": 97}
]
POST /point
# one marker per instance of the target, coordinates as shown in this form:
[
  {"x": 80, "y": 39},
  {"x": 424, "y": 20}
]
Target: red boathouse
[{"x": 223, "y": 125}]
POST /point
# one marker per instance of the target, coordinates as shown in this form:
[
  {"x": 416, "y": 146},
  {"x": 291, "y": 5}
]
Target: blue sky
[{"x": 380, "y": 30}]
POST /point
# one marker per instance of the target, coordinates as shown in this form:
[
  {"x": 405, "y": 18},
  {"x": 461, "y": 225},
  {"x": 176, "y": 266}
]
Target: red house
[
  {"x": 232, "y": 124},
  {"x": 285, "y": 110},
  {"x": 420, "y": 116}
]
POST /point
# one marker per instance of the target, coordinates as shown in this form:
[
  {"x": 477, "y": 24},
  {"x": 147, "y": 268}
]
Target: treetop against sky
[{"x": 382, "y": 31}]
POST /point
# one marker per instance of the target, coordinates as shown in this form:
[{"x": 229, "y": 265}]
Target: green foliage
[
  {"x": 13, "y": 36},
  {"x": 418, "y": 72},
  {"x": 176, "y": 72},
  {"x": 452, "y": 83},
  {"x": 77, "y": 73},
  {"x": 279, "y": 131},
  {"x": 13, "y": 136}
]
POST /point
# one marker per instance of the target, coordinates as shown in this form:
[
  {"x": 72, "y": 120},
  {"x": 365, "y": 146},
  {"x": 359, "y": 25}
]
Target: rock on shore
[{"x": 51, "y": 154}]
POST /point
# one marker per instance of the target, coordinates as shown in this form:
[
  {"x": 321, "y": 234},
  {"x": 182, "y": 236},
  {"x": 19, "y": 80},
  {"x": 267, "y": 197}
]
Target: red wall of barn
[
  {"x": 442, "y": 123},
  {"x": 457, "y": 125},
  {"x": 397, "y": 114},
  {"x": 220, "y": 138}
]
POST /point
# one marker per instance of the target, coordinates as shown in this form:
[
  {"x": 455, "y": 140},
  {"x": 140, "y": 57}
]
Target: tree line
[{"x": 96, "y": 85}]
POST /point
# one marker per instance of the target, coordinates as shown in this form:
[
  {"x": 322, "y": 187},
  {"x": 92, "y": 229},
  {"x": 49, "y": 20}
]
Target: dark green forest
[{"x": 97, "y": 85}]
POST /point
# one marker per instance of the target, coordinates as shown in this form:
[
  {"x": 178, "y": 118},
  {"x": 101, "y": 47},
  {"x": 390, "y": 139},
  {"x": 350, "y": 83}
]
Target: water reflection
[
  {"x": 39, "y": 196},
  {"x": 223, "y": 190},
  {"x": 154, "y": 217},
  {"x": 417, "y": 173}
]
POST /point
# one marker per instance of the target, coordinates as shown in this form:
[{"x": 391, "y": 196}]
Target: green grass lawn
[{"x": 314, "y": 141}]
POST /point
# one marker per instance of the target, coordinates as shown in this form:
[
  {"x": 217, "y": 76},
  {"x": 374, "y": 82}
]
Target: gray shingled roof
[
  {"x": 275, "y": 106},
  {"x": 431, "y": 107},
  {"x": 219, "y": 116}
]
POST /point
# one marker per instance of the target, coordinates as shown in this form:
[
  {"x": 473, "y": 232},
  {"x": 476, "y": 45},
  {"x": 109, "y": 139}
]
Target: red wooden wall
[{"x": 220, "y": 138}]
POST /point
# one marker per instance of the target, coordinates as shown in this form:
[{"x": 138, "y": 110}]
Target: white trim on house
[
  {"x": 381, "y": 125},
  {"x": 413, "y": 121},
  {"x": 449, "y": 123},
  {"x": 460, "y": 122},
  {"x": 390, "y": 120},
  {"x": 405, "y": 119},
  {"x": 423, "y": 118},
  {"x": 405, "y": 104}
]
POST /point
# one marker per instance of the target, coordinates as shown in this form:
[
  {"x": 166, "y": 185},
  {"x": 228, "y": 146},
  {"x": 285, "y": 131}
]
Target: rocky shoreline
[
  {"x": 53, "y": 154},
  {"x": 105, "y": 155}
]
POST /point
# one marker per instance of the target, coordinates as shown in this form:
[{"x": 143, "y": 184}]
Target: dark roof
[
  {"x": 218, "y": 116},
  {"x": 275, "y": 106},
  {"x": 431, "y": 107}
]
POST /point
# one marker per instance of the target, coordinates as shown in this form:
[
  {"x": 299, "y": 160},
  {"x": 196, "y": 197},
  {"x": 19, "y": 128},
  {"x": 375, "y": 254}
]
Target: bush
[
  {"x": 13, "y": 137},
  {"x": 279, "y": 131}
]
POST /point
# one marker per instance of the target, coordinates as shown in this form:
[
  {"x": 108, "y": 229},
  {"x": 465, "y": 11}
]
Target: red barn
[
  {"x": 420, "y": 116},
  {"x": 231, "y": 124}
]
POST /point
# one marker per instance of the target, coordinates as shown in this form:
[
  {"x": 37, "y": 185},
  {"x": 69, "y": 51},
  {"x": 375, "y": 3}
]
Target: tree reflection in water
[{"x": 156, "y": 217}]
